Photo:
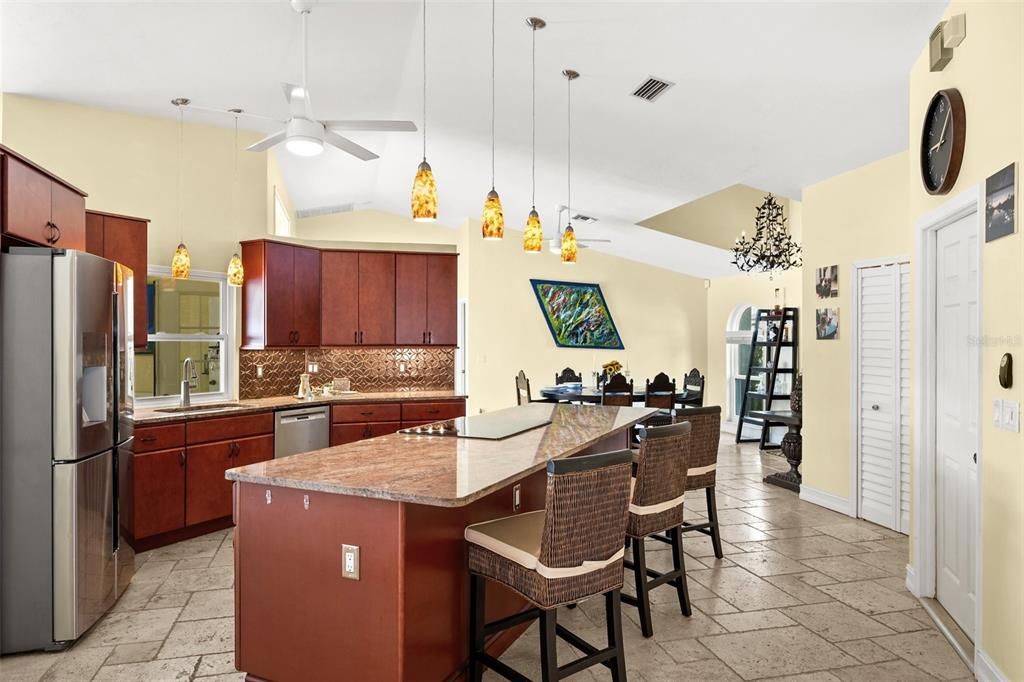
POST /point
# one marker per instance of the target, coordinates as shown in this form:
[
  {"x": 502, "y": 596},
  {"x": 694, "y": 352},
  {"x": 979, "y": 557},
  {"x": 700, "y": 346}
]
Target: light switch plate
[
  {"x": 350, "y": 562},
  {"x": 1011, "y": 415},
  {"x": 997, "y": 413}
]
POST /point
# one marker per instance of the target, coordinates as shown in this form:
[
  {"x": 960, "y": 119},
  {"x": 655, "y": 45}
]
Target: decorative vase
[{"x": 796, "y": 395}]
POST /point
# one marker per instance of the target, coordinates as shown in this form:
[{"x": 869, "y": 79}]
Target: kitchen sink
[{"x": 205, "y": 407}]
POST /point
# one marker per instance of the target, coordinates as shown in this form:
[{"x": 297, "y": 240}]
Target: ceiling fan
[
  {"x": 304, "y": 135},
  {"x": 555, "y": 244}
]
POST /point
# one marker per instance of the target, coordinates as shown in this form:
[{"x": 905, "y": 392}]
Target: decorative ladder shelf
[{"x": 786, "y": 323}]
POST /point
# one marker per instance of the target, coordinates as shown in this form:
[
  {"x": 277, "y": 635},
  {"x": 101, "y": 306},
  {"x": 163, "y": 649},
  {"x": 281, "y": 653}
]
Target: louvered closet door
[{"x": 883, "y": 349}]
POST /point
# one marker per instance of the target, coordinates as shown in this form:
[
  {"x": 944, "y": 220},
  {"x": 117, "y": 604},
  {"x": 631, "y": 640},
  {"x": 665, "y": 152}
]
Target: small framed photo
[
  {"x": 827, "y": 281},
  {"x": 826, "y": 323},
  {"x": 1000, "y": 203}
]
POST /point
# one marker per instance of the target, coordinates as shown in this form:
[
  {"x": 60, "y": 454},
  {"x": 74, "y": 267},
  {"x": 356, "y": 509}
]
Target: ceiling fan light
[
  {"x": 181, "y": 262},
  {"x": 304, "y": 146},
  {"x": 492, "y": 223},
  {"x": 569, "y": 245},
  {"x": 236, "y": 273},
  {"x": 424, "y": 194},
  {"x": 533, "y": 235}
]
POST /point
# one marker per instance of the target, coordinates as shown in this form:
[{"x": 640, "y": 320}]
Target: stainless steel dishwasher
[{"x": 301, "y": 430}]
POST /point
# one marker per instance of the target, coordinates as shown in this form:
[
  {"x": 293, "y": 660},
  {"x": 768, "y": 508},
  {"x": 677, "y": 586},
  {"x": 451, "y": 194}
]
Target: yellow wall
[
  {"x": 859, "y": 215},
  {"x": 988, "y": 69},
  {"x": 128, "y": 164},
  {"x": 660, "y": 315},
  {"x": 717, "y": 218}
]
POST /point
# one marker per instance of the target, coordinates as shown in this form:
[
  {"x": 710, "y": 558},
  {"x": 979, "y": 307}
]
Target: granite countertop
[
  {"x": 443, "y": 471},
  {"x": 154, "y": 416}
]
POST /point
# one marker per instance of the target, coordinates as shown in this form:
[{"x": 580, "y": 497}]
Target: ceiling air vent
[
  {"x": 651, "y": 89},
  {"x": 579, "y": 218}
]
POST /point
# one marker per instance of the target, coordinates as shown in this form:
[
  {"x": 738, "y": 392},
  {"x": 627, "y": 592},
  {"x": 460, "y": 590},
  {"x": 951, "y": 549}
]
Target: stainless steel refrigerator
[{"x": 66, "y": 405}]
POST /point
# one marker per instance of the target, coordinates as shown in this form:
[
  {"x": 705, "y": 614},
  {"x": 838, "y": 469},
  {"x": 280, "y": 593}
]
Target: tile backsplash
[{"x": 370, "y": 369}]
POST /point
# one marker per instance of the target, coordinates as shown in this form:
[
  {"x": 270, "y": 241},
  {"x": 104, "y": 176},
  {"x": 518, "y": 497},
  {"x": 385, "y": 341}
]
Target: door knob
[{"x": 875, "y": 408}]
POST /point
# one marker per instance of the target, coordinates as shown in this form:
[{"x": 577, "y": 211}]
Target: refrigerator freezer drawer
[{"x": 84, "y": 559}]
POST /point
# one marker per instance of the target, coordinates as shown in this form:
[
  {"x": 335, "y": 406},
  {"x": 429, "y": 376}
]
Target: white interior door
[
  {"x": 956, "y": 418},
  {"x": 883, "y": 403}
]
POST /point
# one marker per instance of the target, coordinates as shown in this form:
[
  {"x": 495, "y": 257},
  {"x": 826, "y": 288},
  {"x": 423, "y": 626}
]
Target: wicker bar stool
[
  {"x": 569, "y": 551},
  {"x": 705, "y": 426},
  {"x": 656, "y": 507}
]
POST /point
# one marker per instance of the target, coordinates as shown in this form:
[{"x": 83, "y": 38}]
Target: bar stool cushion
[{"x": 518, "y": 539}]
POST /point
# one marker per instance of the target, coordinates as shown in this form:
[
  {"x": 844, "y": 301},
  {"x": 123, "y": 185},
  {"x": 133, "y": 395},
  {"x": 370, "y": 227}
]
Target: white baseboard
[
  {"x": 985, "y": 670},
  {"x": 911, "y": 582},
  {"x": 827, "y": 500}
]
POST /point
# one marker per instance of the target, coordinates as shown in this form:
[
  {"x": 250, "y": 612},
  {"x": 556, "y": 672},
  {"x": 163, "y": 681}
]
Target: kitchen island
[{"x": 404, "y": 501}]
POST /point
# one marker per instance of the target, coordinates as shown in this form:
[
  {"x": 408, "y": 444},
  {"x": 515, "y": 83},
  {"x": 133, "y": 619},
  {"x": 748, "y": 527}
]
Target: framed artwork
[
  {"x": 826, "y": 323},
  {"x": 1000, "y": 199},
  {"x": 577, "y": 314},
  {"x": 827, "y": 281}
]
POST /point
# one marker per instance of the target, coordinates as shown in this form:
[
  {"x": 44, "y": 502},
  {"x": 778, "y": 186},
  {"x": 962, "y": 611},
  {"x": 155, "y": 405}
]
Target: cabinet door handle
[
  {"x": 147, "y": 439},
  {"x": 434, "y": 411},
  {"x": 355, "y": 337},
  {"x": 424, "y": 338},
  {"x": 49, "y": 230},
  {"x": 430, "y": 337},
  {"x": 181, "y": 455},
  {"x": 56, "y": 229},
  {"x": 366, "y": 414},
  {"x": 360, "y": 337}
]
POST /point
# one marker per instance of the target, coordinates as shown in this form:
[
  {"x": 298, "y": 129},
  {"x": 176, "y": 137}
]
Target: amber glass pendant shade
[
  {"x": 533, "y": 235},
  {"x": 236, "y": 273},
  {"x": 181, "y": 263},
  {"x": 492, "y": 224},
  {"x": 424, "y": 195},
  {"x": 569, "y": 245}
]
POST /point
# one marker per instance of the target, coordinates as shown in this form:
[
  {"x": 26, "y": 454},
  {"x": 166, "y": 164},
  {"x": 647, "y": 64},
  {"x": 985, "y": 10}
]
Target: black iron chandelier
[{"x": 771, "y": 249}]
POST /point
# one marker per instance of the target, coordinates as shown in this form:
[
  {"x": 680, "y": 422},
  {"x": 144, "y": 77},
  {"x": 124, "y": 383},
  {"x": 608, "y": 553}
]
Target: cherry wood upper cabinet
[
  {"x": 377, "y": 299},
  {"x": 410, "y": 299},
  {"x": 339, "y": 298},
  {"x": 123, "y": 239},
  {"x": 442, "y": 300},
  {"x": 39, "y": 207},
  {"x": 426, "y": 302},
  {"x": 281, "y": 295},
  {"x": 357, "y": 301},
  {"x": 306, "y": 296}
]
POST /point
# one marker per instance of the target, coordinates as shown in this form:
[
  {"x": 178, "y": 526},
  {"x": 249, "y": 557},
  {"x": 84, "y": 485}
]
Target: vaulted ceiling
[{"x": 775, "y": 95}]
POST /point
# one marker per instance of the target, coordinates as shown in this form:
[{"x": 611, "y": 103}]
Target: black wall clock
[{"x": 942, "y": 141}]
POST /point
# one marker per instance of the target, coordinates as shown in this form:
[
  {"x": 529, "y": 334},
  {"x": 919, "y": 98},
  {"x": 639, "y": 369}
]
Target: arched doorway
[{"x": 738, "y": 330}]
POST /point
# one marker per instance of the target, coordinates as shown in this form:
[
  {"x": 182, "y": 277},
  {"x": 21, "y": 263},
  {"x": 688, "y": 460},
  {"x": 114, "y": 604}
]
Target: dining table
[{"x": 590, "y": 394}]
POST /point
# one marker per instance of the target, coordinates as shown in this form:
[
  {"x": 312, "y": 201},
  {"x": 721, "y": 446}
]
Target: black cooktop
[{"x": 488, "y": 426}]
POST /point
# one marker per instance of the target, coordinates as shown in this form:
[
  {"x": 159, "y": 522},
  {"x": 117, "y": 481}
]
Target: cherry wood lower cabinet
[
  {"x": 208, "y": 493},
  {"x": 351, "y": 423},
  {"x": 176, "y": 485}
]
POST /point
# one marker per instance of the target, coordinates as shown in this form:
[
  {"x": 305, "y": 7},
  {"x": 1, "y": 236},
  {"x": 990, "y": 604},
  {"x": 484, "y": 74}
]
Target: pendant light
[
  {"x": 424, "y": 188},
  {"x": 236, "y": 273},
  {"x": 181, "y": 262},
  {"x": 492, "y": 223},
  {"x": 569, "y": 236},
  {"x": 533, "y": 235}
]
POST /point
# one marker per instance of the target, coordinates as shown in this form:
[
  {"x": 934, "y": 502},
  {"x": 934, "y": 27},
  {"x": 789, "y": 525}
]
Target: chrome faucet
[{"x": 189, "y": 380}]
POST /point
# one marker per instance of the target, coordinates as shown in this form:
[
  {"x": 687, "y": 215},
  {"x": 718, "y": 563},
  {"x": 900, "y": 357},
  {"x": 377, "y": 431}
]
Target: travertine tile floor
[{"x": 803, "y": 593}]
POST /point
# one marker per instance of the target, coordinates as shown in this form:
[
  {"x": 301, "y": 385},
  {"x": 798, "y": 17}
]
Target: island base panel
[{"x": 406, "y": 618}]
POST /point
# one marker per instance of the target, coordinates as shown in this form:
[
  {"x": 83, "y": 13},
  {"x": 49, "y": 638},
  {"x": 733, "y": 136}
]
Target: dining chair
[
  {"x": 660, "y": 394},
  {"x": 693, "y": 389},
  {"x": 523, "y": 394},
  {"x": 617, "y": 391},
  {"x": 568, "y": 376}
]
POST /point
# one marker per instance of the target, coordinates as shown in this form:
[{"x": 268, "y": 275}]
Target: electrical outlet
[
  {"x": 1011, "y": 415},
  {"x": 350, "y": 562},
  {"x": 517, "y": 497}
]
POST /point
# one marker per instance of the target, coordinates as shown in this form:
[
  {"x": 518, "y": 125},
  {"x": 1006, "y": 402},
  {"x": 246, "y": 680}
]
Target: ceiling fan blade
[
  {"x": 347, "y": 145},
  {"x": 298, "y": 100},
  {"x": 387, "y": 126},
  {"x": 595, "y": 241},
  {"x": 267, "y": 142}
]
